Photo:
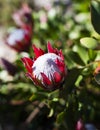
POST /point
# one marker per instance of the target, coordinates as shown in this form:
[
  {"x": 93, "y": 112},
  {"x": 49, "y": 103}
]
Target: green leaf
[
  {"x": 78, "y": 80},
  {"x": 51, "y": 112},
  {"x": 92, "y": 54},
  {"x": 88, "y": 42},
  {"x": 82, "y": 52},
  {"x": 98, "y": 55},
  {"x": 75, "y": 58},
  {"x": 70, "y": 81},
  {"x": 60, "y": 117},
  {"x": 95, "y": 15}
]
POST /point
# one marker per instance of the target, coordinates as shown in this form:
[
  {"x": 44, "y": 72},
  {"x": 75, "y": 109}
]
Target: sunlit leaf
[
  {"x": 88, "y": 42},
  {"x": 51, "y": 113}
]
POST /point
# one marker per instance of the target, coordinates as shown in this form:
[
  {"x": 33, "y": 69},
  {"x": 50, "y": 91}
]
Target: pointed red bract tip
[
  {"x": 50, "y": 48},
  {"x": 61, "y": 54},
  {"x": 28, "y": 63},
  {"x": 38, "y": 52},
  {"x": 46, "y": 79}
]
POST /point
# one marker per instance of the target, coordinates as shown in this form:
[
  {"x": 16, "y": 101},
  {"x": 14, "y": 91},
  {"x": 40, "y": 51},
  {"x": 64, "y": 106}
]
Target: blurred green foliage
[
  {"x": 7, "y": 7},
  {"x": 68, "y": 28}
]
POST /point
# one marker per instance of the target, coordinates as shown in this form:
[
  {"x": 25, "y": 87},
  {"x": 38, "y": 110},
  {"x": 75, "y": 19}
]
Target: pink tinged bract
[{"x": 80, "y": 125}]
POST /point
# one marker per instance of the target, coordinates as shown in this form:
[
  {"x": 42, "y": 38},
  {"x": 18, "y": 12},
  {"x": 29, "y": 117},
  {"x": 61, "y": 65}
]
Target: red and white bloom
[
  {"x": 19, "y": 39},
  {"x": 47, "y": 70}
]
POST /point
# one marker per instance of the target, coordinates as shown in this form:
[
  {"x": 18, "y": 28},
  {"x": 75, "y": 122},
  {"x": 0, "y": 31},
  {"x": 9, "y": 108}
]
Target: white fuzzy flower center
[
  {"x": 46, "y": 64},
  {"x": 16, "y": 35}
]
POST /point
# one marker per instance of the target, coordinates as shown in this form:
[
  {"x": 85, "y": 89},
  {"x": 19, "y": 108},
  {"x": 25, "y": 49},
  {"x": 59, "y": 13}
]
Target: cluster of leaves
[{"x": 69, "y": 28}]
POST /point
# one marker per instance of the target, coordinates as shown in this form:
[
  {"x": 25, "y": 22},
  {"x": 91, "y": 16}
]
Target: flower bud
[
  {"x": 19, "y": 39},
  {"x": 47, "y": 70},
  {"x": 9, "y": 67},
  {"x": 80, "y": 125}
]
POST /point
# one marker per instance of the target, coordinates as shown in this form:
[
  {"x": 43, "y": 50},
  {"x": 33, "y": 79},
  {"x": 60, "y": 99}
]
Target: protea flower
[
  {"x": 23, "y": 16},
  {"x": 19, "y": 39},
  {"x": 47, "y": 70}
]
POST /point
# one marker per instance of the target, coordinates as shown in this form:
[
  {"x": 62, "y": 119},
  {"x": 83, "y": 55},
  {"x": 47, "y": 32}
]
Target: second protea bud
[
  {"x": 19, "y": 39},
  {"x": 46, "y": 70}
]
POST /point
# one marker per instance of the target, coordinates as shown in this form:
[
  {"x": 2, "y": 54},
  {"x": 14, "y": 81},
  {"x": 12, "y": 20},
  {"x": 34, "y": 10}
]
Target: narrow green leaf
[{"x": 51, "y": 112}]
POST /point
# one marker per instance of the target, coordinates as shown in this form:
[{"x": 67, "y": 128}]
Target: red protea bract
[{"x": 47, "y": 70}]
